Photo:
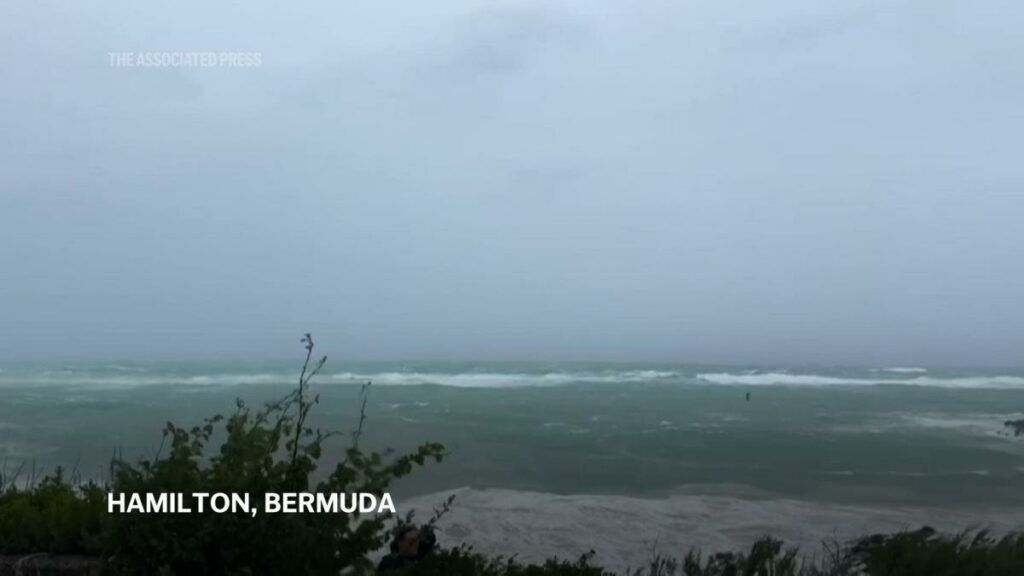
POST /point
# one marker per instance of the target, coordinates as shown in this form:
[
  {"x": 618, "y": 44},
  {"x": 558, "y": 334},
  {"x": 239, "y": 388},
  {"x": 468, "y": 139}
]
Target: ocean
[{"x": 898, "y": 435}]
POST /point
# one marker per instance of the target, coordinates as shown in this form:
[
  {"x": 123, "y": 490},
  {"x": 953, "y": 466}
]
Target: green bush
[
  {"x": 462, "y": 561},
  {"x": 267, "y": 450},
  {"x": 925, "y": 552},
  {"x": 53, "y": 517}
]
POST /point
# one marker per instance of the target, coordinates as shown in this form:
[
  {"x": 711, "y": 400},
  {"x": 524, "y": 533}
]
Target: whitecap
[
  {"x": 786, "y": 379},
  {"x": 905, "y": 370},
  {"x": 500, "y": 379}
]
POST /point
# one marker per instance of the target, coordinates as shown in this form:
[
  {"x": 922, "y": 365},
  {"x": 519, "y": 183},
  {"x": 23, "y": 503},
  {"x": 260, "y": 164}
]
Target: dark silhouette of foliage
[
  {"x": 270, "y": 450},
  {"x": 53, "y": 516},
  {"x": 1015, "y": 426}
]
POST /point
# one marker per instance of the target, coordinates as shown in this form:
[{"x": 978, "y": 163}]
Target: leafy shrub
[
  {"x": 462, "y": 561},
  {"x": 53, "y": 517},
  {"x": 1015, "y": 426},
  {"x": 926, "y": 552},
  {"x": 267, "y": 450}
]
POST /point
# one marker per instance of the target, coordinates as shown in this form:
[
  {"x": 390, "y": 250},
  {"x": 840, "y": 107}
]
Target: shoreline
[{"x": 625, "y": 531}]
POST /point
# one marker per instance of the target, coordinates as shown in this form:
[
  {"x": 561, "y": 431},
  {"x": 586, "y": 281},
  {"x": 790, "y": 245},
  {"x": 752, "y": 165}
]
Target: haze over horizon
[{"x": 785, "y": 183}]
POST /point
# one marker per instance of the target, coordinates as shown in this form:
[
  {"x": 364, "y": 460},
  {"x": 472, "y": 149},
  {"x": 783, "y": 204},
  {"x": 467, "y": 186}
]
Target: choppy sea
[{"x": 907, "y": 435}]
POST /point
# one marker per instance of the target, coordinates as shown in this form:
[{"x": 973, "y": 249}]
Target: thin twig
[
  {"x": 365, "y": 393},
  {"x": 308, "y": 341}
]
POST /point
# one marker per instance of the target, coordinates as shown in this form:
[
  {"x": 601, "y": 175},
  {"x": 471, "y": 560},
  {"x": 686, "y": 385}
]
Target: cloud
[
  {"x": 810, "y": 29},
  {"x": 507, "y": 40},
  {"x": 709, "y": 179}
]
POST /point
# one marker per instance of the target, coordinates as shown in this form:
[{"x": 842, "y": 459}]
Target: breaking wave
[
  {"x": 500, "y": 379},
  {"x": 785, "y": 379},
  {"x": 116, "y": 377},
  {"x": 902, "y": 370},
  {"x": 116, "y": 381}
]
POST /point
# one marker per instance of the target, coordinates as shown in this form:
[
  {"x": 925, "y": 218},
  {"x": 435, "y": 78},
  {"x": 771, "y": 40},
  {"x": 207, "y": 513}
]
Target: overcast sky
[{"x": 709, "y": 181}]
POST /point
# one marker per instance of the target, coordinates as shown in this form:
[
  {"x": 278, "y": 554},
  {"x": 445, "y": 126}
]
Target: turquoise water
[{"x": 903, "y": 435}]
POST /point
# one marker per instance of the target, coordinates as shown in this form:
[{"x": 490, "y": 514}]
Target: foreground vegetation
[
  {"x": 272, "y": 449},
  {"x": 920, "y": 553}
]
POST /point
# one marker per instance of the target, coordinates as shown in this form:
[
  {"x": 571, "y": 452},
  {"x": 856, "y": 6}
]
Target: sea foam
[
  {"x": 501, "y": 379},
  {"x": 786, "y": 379}
]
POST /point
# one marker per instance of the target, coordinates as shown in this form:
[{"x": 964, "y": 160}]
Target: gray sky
[{"x": 790, "y": 181}]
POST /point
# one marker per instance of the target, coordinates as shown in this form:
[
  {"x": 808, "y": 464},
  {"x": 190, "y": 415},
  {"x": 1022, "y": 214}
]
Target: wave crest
[
  {"x": 500, "y": 379},
  {"x": 785, "y": 379}
]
